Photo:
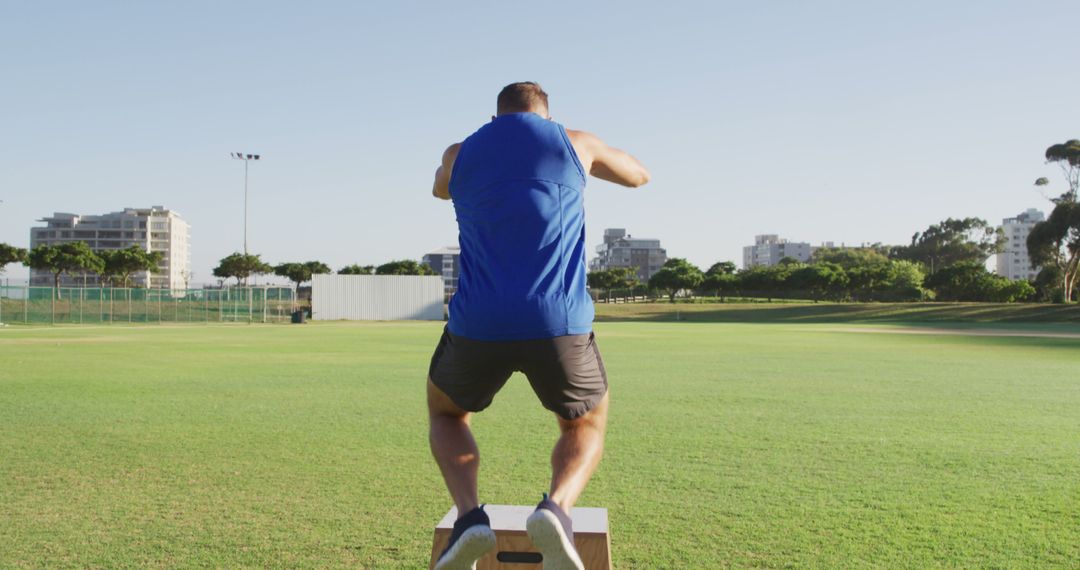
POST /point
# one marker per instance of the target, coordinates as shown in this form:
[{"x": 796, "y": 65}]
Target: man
[{"x": 521, "y": 305}]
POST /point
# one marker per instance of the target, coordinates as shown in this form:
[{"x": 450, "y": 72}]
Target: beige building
[{"x": 153, "y": 229}]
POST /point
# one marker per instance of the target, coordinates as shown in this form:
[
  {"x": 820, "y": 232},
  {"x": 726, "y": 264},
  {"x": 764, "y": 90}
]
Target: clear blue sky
[{"x": 844, "y": 121}]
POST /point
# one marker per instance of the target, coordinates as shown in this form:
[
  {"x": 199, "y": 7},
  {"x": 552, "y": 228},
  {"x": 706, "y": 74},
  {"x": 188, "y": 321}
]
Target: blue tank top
[{"x": 517, "y": 190}]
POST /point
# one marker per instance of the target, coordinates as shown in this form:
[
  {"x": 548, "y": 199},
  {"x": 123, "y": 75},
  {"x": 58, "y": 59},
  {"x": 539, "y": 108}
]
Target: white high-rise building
[
  {"x": 153, "y": 229},
  {"x": 1014, "y": 263},
  {"x": 769, "y": 249}
]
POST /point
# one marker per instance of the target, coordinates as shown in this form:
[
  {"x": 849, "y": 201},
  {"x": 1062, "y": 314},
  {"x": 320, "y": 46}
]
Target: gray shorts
[{"x": 566, "y": 372}]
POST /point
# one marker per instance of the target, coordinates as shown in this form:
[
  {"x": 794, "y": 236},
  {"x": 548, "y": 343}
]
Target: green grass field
[{"x": 730, "y": 445}]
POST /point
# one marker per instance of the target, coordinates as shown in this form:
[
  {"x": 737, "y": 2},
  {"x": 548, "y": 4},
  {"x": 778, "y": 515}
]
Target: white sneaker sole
[
  {"x": 470, "y": 547},
  {"x": 548, "y": 536}
]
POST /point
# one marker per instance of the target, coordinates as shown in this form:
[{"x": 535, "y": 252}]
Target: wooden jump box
[{"x": 513, "y": 549}]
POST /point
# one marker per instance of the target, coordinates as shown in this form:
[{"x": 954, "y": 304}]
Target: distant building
[
  {"x": 447, "y": 263},
  {"x": 769, "y": 249},
  {"x": 1014, "y": 263},
  {"x": 621, "y": 250},
  {"x": 153, "y": 229}
]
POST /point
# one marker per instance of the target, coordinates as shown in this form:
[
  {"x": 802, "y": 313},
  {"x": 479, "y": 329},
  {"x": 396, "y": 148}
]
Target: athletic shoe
[
  {"x": 471, "y": 539},
  {"x": 552, "y": 532}
]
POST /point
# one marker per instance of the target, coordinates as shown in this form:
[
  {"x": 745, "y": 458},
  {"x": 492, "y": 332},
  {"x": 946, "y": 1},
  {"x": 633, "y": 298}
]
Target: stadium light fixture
[{"x": 246, "y": 158}]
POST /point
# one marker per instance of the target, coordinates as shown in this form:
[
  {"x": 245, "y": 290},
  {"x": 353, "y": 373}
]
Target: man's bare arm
[
  {"x": 441, "y": 188},
  {"x": 607, "y": 163}
]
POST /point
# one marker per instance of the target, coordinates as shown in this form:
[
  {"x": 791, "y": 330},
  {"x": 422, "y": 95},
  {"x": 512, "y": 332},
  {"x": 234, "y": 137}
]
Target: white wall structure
[{"x": 376, "y": 297}]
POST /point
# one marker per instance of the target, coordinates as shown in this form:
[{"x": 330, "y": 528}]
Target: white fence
[{"x": 376, "y": 297}]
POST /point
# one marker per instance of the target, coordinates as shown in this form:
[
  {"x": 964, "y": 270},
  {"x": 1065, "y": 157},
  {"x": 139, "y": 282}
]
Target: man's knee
[{"x": 596, "y": 418}]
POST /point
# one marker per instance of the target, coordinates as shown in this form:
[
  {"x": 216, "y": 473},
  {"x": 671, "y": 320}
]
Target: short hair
[{"x": 521, "y": 97}]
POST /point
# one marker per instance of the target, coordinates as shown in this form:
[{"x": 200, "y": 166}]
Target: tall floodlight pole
[{"x": 246, "y": 158}]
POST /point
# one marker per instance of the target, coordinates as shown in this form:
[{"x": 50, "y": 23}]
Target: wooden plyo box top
[{"x": 512, "y": 543}]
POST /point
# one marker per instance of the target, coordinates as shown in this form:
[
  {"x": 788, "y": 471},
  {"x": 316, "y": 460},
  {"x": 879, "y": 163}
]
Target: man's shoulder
[{"x": 584, "y": 144}]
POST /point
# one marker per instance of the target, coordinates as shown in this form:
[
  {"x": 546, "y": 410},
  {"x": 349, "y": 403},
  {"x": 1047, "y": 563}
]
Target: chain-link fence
[{"x": 45, "y": 305}]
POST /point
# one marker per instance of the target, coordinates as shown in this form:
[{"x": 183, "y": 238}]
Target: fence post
[
  {"x": 82, "y": 299},
  {"x": 53, "y": 317}
]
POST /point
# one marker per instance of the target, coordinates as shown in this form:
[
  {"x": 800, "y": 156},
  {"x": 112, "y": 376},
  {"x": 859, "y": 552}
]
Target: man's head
[{"x": 522, "y": 97}]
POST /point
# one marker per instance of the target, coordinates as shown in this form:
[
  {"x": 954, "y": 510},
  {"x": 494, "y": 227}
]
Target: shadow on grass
[{"x": 907, "y": 313}]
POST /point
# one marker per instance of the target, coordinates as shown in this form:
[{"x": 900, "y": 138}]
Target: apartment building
[
  {"x": 769, "y": 249},
  {"x": 620, "y": 249},
  {"x": 1014, "y": 263},
  {"x": 153, "y": 229}
]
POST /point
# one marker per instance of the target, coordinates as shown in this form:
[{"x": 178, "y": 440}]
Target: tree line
[
  {"x": 242, "y": 266},
  {"x": 861, "y": 274},
  {"x": 114, "y": 267},
  {"x": 945, "y": 262}
]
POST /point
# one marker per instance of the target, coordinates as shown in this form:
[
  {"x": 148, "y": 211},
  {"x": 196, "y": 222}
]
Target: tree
[
  {"x": 970, "y": 281},
  {"x": 120, "y": 264},
  {"x": 627, "y": 277},
  {"x": 612, "y": 278},
  {"x": 1056, "y": 241},
  {"x": 849, "y": 257},
  {"x": 301, "y": 272},
  {"x": 11, "y": 254},
  {"x": 953, "y": 241},
  {"x": 820, "y": 280},
  {"x": 603, "y": 280},
  {"x": 676, "y": 274},
  {"x": 1002, "y": 290},
  {"x": 1048, "y": 285},
  {"x": 721, "y": 268},
  {"x": 241, "y": 266},
  {"x": 64, "y": 258},
  {"x": 357, "y": 269},
  {"x": 404, "y": 267},
  {"x": 905, "y": 280},
  {"x": 763, "y": 279},
  {"x": 1067, "y": 156},
  {"x": 721, "y": 279}
]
